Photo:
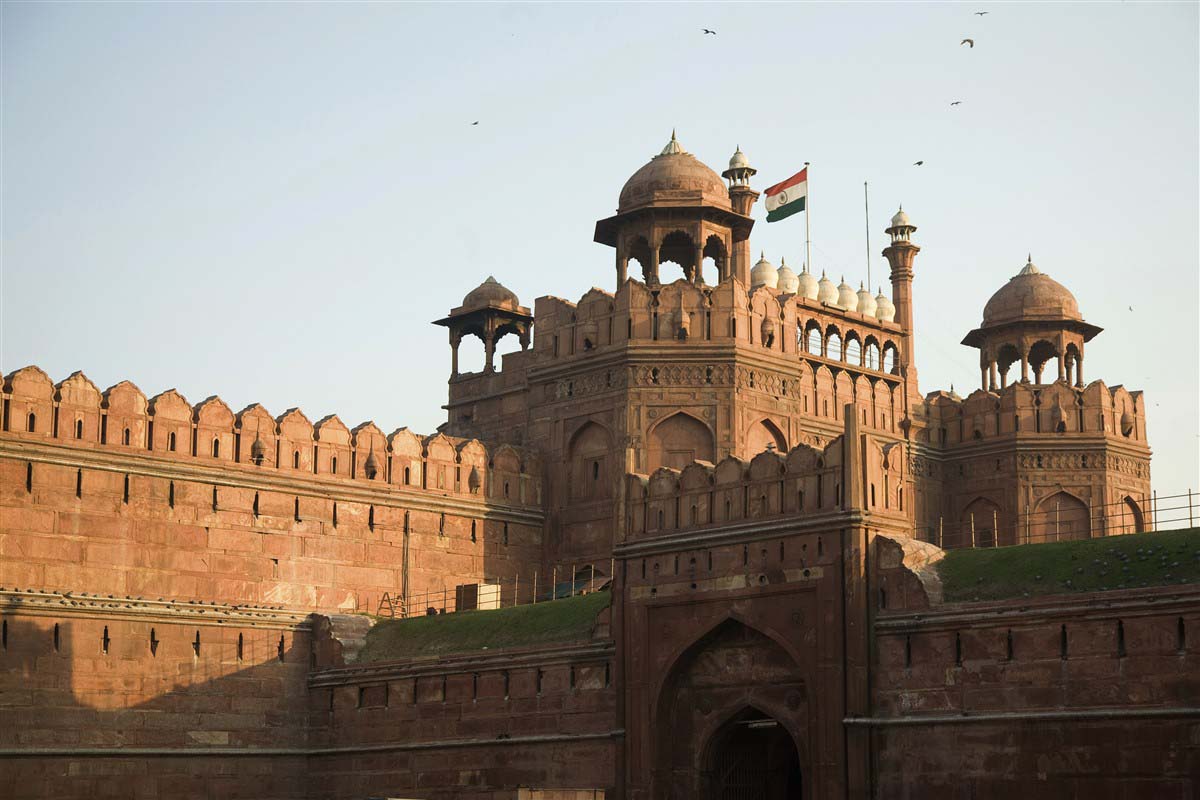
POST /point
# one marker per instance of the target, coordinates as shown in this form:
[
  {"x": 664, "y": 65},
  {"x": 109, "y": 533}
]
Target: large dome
[
  {"x": 1030, "y": 295},
  {"x": 674, "y": 177},
  {"x": 490, "y": 293}
]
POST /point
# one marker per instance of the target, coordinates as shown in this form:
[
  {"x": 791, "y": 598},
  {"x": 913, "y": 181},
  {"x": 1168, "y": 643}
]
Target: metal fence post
[
  {"x": 554, "y": 584},
  {"x": 535, "y": 587},
  {"x": 572, "y": 580},
  {"x": 939, "y": 531},
  {"x": 1154, "y": 510},
  {"x": 972, "y": 529},
  {"x": 995, "y": 528}
]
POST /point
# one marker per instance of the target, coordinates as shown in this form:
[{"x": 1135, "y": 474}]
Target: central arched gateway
[
  {"x": 752, "y": 757},
  {"x": 731, "y": 719}
]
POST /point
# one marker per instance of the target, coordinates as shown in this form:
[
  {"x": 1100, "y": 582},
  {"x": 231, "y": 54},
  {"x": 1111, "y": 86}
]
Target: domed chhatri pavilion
[{"x": 736, "y": 449}]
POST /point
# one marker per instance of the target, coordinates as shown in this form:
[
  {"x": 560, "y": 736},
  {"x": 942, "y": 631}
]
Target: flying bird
[
  {"x": 476, "y": 122},
  {"x": 706, "y": 30},
  {"x": 957, "y": 103},
  {"x": 967, "y": 41},
  {"x": 918, "y": 163},
  {"x": 1131, "y": 308},
  {"x": 981, "y": 13}
]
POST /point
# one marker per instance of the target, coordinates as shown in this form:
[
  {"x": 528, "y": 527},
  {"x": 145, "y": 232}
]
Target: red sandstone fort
[{"x": 718, "y": 543}]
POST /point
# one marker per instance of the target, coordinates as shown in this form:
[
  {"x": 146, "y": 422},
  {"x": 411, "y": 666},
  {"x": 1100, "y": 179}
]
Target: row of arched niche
[{"x": 1060, "y": 516}]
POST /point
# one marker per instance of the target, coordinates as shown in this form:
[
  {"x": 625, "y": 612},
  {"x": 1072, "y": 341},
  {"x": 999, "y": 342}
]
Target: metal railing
[
  {"x": 1068, "y": 521},
  {"x": 559, "y": 582}
]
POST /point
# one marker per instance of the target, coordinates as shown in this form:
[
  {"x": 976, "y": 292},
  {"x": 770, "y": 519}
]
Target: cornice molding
[{"x": 42, "y": 603}]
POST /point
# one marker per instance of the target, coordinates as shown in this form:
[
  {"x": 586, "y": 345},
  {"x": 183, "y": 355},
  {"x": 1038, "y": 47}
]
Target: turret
[
  {"x": 742, "y": 198},
  {"x": 900, "y": 255},
  {"x": 676, "y": 209}
]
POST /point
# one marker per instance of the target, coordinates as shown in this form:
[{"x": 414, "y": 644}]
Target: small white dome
[
  {"x": 884, "y": 310},
  {"x": 807, "y": 284},
  {"x": 739, "y": 160},
  {"x": 764, "y": 274},
  {"x": 847, "y": 300},
  {"x": 866, "y": 303},
  {"x": 900, "y": 219},
  {"x": 789, "y": 283},
  {"x": 826, "y": 292}
]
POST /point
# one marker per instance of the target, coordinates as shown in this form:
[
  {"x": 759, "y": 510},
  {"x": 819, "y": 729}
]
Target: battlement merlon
[{"x": 76, "y": 414}]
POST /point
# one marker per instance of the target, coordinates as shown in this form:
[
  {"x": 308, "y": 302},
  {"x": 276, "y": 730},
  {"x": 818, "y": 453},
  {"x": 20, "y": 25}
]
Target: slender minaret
[
  {"x": 742, "y": 198},
  {"x": 900, "y": 255}
]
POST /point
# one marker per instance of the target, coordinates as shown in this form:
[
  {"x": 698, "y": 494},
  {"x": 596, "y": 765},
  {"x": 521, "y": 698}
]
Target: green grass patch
[
  {"x": 1132, "y": 561},
  {"x": 557, "y": 621}
]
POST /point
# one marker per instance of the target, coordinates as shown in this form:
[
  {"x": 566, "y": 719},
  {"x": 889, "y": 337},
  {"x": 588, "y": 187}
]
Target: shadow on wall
[{"x": 72, "y": 690}]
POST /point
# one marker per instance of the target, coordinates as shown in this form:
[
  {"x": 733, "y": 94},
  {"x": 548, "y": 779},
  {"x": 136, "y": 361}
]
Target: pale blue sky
[{"x": 270, "y": 202}]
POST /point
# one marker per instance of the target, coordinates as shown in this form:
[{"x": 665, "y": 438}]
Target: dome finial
[{"x": 673, "y": 147}]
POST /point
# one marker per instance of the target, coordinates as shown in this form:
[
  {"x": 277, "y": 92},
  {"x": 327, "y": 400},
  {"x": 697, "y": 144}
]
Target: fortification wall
[
  {"x": 1072, "y": 695},
  {"x": 471, "y": 727},
  {"x": 93, "y": 498},
  {"x": 103, "y": 697}
]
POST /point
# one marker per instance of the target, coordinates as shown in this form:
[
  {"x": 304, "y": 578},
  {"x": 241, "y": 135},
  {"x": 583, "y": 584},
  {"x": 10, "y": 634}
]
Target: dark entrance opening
[{"x": 753, "y": 757}]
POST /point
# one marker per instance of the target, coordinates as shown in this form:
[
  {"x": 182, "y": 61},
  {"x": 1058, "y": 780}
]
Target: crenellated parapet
[
  {"x": 1025, "y": 408},
  {"x": 804, "y": 481},
  {"x": 74, "y": 413}
]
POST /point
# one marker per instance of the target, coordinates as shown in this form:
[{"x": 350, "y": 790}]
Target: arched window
[
  {"x": 333, "y": 465},
  {"x": 125, "y": 437},
  {"x": 296, "y": 460},
  {"x": 216, "y": 448},
  {"x": 79, "y": 429},
  {"x": 32, "y": 423},
  {"x": 171, "y": 441},
  {"x": 871, "y": 355},
  {"x": 854, "y": 351},
  {"x": 813, "y": 341},
  {"x": 833, "y": 348},
  {"x": 408, "y": 477}
]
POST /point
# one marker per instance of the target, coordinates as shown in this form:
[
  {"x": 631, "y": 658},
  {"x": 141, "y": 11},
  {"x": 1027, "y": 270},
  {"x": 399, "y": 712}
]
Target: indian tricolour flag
[{"x": 787, "y": 197}]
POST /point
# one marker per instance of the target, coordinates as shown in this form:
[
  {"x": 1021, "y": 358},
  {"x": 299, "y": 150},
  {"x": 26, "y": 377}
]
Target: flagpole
[
  {"x": 867, "y": 219},
  {"x": 807, "y": 215}
]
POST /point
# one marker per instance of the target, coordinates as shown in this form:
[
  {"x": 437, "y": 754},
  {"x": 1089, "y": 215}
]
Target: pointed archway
[
  {"x": 731, "y": 692},
  {"x": 752, "y": 756}
]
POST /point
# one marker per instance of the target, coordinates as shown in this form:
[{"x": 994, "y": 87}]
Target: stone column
[
  {"x": 1079, "y": 369},
  {"x": 489, "y": 346},
  {"x": 622, "y": 268},
  {"x": 993, "y": 380},
  {"x": 983, "y": 377},
  {"x": 1024, "y": 362},
  {"x": 455, "y": 341},
  {"x": 652, "y": 267}
]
